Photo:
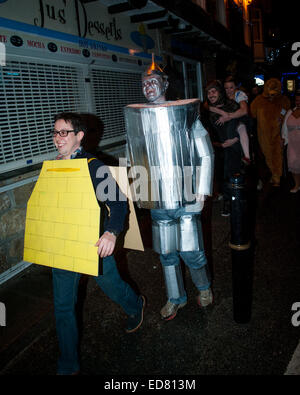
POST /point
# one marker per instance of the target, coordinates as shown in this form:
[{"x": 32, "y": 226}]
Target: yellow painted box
[{"x": 63, "y": 218}]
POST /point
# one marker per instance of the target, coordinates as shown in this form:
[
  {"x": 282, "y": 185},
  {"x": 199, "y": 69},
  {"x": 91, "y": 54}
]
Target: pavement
[{"x": 197, "y": 342}]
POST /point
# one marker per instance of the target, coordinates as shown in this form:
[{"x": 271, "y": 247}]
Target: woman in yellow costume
[{"x": 269, "y": 109}]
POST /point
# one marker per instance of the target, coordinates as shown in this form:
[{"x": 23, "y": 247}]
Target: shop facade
[{"x": 59, "y": 55}]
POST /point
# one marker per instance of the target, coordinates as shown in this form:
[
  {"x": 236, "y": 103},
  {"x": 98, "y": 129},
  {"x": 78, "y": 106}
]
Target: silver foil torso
[{"x": 170, "y": 154}]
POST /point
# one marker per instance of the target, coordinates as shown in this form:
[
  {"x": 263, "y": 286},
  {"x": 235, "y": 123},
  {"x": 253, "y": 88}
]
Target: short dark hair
[
  {"x": 75, "y": 119},
  {"x": 230, "y": 78},
  {"x": 216, "y": 84}
]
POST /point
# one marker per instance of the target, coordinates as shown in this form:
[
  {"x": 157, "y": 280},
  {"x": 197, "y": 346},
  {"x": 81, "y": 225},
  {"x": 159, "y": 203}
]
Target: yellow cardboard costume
[
  {"x": 63, "y": 218},
  {"x": 269, "y": 109}
]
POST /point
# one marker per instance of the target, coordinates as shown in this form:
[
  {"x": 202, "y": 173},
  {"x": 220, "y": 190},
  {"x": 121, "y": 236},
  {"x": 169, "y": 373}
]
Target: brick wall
[{"x": 12, "y": 220}]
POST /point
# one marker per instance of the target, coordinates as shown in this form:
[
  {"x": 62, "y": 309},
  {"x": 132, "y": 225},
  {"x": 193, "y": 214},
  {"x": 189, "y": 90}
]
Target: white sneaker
[
  {"x": 169, "y": 311},
  {"x": 205, "y": 298},
  {"x": 259, "y": 185}
]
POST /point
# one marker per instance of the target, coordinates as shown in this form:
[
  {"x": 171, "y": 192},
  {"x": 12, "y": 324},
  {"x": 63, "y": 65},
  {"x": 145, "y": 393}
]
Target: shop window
[
  {"x": 31, "y": 93},
  {"x": 192, "y": 83},
  {"x": 112, "y": 91}
]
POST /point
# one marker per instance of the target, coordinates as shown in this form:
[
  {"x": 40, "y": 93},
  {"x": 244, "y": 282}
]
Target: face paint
[{"x": 153, "y": 88}]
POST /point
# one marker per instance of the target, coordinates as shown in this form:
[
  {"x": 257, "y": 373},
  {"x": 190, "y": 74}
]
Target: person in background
[
  {"x": 291, "y": 136},
  {"x": 269, "y": 109},
  {"x": 255, "y": 91},
  {"x": 240, "y": 97},
  {"x": 226, "y": 136}
]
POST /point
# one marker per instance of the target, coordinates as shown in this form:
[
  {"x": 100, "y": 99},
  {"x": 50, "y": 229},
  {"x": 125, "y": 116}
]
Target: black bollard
[{"x": 241, "y": 251}]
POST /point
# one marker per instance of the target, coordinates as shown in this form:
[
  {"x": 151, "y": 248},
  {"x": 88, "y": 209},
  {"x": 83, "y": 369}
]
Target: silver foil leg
[
  {"x": 174, "y": 281},
  {"x": 191, "y": 239},
  {"x": 164, "y": 235},
  {"x": 189, "y": 233},
  {"x": 183, "y": 234},
  {"x": 200, "y": 277}
]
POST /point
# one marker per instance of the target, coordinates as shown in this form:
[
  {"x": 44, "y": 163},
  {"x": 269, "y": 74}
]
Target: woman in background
[
  {"x": 240, "y": 97},
  {"x": 291, "y": 134}
]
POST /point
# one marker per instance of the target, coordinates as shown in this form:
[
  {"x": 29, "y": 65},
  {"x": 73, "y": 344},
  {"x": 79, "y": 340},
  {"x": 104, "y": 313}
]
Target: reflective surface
[{"x": 170, "y": 153}]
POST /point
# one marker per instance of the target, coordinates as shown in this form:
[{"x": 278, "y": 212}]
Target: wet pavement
[{"x": 198, "y": 341}]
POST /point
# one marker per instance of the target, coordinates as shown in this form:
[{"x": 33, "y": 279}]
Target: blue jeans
[
  {"x": 195, "y": 260},
  {"x": 65, "y": 288}
]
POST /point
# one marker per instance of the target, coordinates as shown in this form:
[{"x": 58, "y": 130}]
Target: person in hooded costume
[{"x": 269, "y": 109}]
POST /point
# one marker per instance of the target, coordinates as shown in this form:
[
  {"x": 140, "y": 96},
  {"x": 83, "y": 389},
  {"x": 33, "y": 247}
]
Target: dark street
[
  {"x": 187, "y": 96},
  {"x": 198, "y": 341}
]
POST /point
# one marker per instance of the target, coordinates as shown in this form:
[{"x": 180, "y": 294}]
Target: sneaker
[
  {"x": 259, "y": 185},
  {"x": 246, "y": 161},
  {"x": 275, "y": 181},
  {"x": 135, "y": 321},
  {"x": 295, "y": 190},
  {"x": 218, "y": 198},
  {"x": 205, "y": 298},
  {"x": 226, "y": 208},
  {"x": 225, "y": 213},
  {"x": 169, "y": 311}
]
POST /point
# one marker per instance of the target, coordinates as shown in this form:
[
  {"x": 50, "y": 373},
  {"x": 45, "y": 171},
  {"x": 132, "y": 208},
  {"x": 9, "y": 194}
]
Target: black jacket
[{"x": 115, "y": 219}]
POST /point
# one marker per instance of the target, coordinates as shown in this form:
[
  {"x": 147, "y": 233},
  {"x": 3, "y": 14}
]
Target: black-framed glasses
[{"x": 62, "y": 133}]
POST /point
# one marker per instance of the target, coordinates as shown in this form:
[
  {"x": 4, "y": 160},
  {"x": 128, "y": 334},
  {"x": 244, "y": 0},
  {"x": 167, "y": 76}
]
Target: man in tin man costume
[{"x": 168, "y": 140}]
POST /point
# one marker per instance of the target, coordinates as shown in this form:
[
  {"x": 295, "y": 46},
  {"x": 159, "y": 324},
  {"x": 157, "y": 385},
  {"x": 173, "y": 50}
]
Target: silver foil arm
[{"x": 205, "y": 153}]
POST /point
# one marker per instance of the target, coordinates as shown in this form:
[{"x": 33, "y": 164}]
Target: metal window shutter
[
  {"x": 112, "y": 91},
  {"x": 31, "y": 93}
]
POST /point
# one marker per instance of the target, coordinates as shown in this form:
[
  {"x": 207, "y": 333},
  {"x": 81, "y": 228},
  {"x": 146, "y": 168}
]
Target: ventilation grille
[
  {"x": 112, "y": 91},
  {"x": 30, "y": 95}
]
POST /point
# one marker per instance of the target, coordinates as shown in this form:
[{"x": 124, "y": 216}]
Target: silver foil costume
[{"x": 168, "y": 141}]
